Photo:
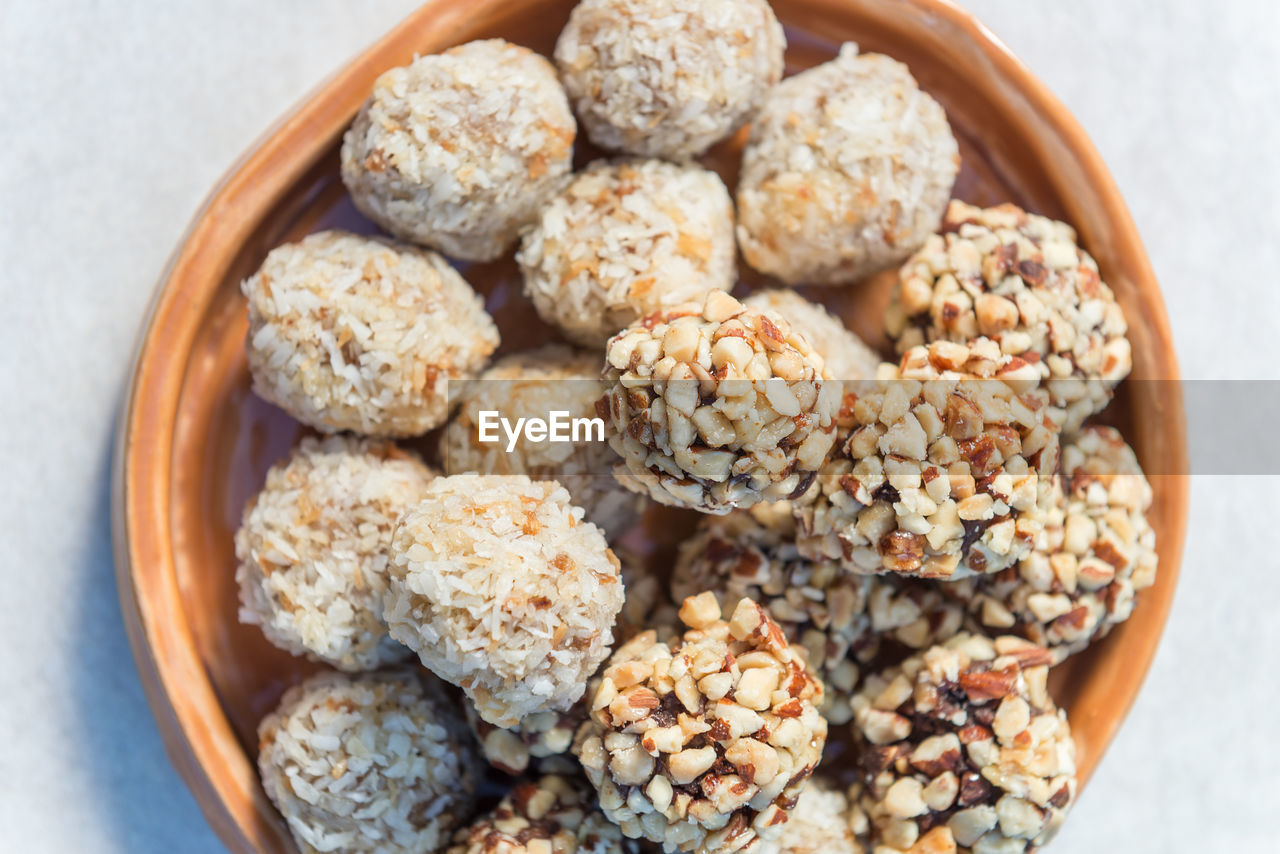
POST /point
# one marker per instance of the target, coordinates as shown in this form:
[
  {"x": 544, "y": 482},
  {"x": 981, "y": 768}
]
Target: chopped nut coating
[
  {"x": 715, "y": 405},
  {"x": 1022, "y": 281},
  {"x": 944, "y": 467},
  {"x": 1099, "y": 553},
  {"x": 704, "y": 744},
  {"x": 962, "y": 746},
  {"x": 551, "y": 815}
]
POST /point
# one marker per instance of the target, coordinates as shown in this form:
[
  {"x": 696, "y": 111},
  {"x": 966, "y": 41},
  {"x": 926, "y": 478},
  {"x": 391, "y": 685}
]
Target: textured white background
[{"x": 117, "y": 118}]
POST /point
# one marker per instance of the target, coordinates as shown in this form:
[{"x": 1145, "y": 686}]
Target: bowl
[{"x": 194, "y": 443}]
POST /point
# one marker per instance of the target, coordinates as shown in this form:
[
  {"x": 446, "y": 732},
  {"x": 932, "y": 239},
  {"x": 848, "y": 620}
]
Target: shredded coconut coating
[
  {"x": 838, "y": 616},
  {"x": 536, "y": 737},
  {"x": 534, "y": 384},
  {"x": 716, "y": 405},
  {"x": 1100, "y": 553},
  {"x": 459, "y": 150},
  {"x": 374, "y": 763},
  {"x": 550, "y": 815},
  {"x": 704, "y": 745},
  {"x": 944, "y": 468},
  {"x": 819, "y": 824},
  {"x": 354, "y": 333},
  {"x": 846, "y": 356},
  {"x": 847, "y": 171},
  {"x": 962, "y": 749},
  {"x": 668, "y": 78},
  {"x": 503, "y": 590},
  {"x": 1021, "y": 280},
  {"x": 625, "y": 239},
  {"x": 312, "y": 549}
]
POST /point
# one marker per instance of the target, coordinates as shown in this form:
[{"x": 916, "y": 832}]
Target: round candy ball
[
  {"x": 943, "y": 469},
  {"x": 704, "y": 744},
  {"x": 1021, "y": 280},
  {"x": 668, "y": 78},
  {"x": 838, "y": 616},
  {"x": 375, "y": 763},
  {"x": 312, "y": 549},
  {"x": 503, "y": 590},
  {"x": 354, "y": 333},
  {"x": 625, "y": 239},
  {"x": 1100, "y": 552},
  {"x": 553, "y": 814},
  {"x": 459, "y": 150},
  {"x": 534, "y": 384},
  {"x": 847, "y": 171},
  {"x": 715, "y": 405},
  {"x": 962, "y": 749},
  {"x": 845, "y": 356}
]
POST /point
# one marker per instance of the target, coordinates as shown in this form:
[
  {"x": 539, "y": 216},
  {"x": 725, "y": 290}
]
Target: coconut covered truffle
[
  {"x": 844, "y": 353},
  {"x": 944, "y": 468},
  {"x": 962, "y": 749},
  {"x": 839, "y": 617},
  {"x": 503, "y": 590},
  {"x": 533, "y": 385},
  {"x": 668, "y": 78},
  {"x": 354, "y": 333},
  {"x": 550, "y": 815},
  {"x": 535, "y": 737},
  {"x": 626, "y": 239},
  {"x": 459, "y": 150},
  {"x": 847, "y": 171},
  {"x": 1021, "y": 280},
  {"x": 717, "y": 405},
  {"x": 312, "y": 549},
  {"x": 819, "y": 824},
  {"x": 704, "y": 745},
  {"x": 1100, "y": 552},
  {"x": 370, "y": 763}
]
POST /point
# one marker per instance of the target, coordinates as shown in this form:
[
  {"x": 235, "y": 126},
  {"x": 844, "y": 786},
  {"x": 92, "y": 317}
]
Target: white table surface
[{"x": 117, "y": 118}]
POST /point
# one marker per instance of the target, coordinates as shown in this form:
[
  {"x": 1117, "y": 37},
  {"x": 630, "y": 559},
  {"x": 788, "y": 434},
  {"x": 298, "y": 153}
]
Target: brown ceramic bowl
[{"x": 194, "y": 444}]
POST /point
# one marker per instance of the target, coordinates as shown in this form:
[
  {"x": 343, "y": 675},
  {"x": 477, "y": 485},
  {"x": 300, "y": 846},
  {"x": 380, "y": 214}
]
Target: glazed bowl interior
[{"x": 195, "y": 444}]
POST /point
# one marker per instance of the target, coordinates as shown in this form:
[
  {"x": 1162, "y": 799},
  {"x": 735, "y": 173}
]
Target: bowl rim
[{"x": 159, "y": 633}]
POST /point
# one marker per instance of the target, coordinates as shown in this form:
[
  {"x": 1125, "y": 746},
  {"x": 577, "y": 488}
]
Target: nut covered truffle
[
  {"x": 534, "y": 384},
  {"x": 1021, "y": 280},
  {"x": 716, "y": 405},
  {"x": 537, "y": 736},
  {"x": 374, "y": 763},
  {"x": 844, "y": 354},
  {"x": 704, "y": 745},
  {"x": 312, "y": 549},
  {"x": 550, "y": 815},
  {"x": 459, "y": 150},
  {"x": 354, "y": 333},
  {"x": 962, "y": 749},
  {"x": 625, "y": 239},
  {"x": 847, "y": 171},
  {"x": 503, "y": 590},
  {"x": 1100, "y": 553},
  {"x": 944, "y": 471},
  {"x": 668, "y": 78},
  {"x": 839, "y": 617}
]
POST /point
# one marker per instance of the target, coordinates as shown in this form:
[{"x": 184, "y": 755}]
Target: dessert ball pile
[{"x": 885, "y": 558}]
